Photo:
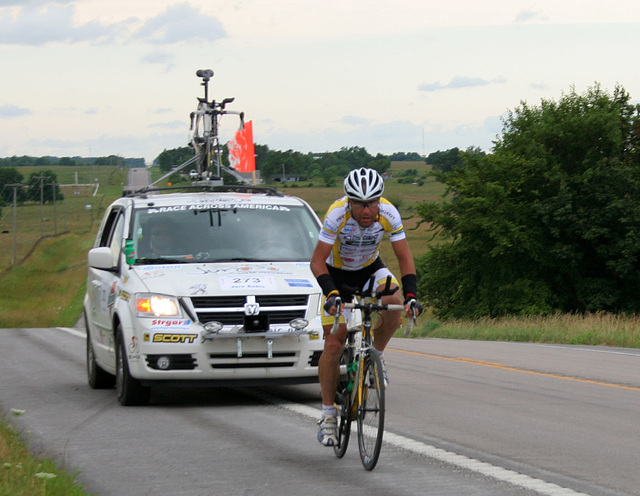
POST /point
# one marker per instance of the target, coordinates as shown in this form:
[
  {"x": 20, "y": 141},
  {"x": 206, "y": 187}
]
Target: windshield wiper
[
  {"x": 148, "y": 261},
  {"x": 238, "y": 259}
]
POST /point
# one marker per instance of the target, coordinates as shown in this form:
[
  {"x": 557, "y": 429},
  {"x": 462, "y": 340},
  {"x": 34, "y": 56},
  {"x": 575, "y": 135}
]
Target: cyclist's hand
[
  {"x": 412, "y": 307},
  {"x": 331, "y": 303}
]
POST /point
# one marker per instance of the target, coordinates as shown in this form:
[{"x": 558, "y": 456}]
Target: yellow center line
[{"x": 502, "y": 366}]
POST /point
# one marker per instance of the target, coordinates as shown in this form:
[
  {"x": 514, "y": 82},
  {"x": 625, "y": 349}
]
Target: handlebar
[
  {"x": 387, "y": 290},
  {"x": 336, "y": 322},
  {"x": 371, "y": 306},
  {"x": 412, "y": 321}
]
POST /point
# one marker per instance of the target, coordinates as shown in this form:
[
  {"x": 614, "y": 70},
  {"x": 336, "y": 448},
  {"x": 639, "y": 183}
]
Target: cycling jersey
[{"x": 355, "y": 247}]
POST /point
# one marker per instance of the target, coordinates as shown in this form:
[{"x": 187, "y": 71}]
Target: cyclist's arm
[
  {"x": 407, "y": 268},
  {"x": 404, "y": 256},
  {"x": 319, "y": 258},
  {"x": 319, "y": 269}
]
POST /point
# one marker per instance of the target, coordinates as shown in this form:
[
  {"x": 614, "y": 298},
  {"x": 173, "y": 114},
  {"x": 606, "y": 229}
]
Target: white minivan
[{"x": 208, "y": 287}]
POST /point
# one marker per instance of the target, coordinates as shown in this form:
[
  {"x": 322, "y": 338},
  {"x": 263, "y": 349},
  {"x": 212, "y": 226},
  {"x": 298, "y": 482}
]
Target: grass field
[
  {"x": 44, "y": 288},
  {"x": 82, "y": 207}
]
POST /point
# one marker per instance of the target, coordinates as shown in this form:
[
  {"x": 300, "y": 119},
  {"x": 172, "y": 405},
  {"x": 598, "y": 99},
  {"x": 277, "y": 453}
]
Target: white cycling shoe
[{"x": 328, "y": 431}]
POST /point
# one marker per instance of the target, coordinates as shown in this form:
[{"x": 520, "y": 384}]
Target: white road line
[
  {"x": 73, "y": 331},
  {"x": 502, "y": 474}
]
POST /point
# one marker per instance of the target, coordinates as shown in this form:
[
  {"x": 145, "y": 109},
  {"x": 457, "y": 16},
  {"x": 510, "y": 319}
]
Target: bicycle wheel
[
  {"x": 343, "y": 402},
  {"x": 371, "y": 409}
]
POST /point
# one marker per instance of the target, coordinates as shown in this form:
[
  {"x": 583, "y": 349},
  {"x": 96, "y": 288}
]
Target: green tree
[
  {"x": 9, "y": 175},
  {"x": 110, "y": 160},
  {"x": 549, "y": 221},
  {"x": 404, "y": 156},
  {"x": 42, "y": 161},
  {"x": 446, "y": 161},
  {"x": 66, "y": 161},
  {"x": 169, "y": 159},
  {"x": 45, "y": 180}
]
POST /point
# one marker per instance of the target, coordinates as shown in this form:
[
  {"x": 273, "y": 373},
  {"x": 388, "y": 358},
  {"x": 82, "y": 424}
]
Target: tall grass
[
  {"x": 600, "y": 328},
  {"x": 22, "y": 474},
  {"x": 47, "y": 289}
]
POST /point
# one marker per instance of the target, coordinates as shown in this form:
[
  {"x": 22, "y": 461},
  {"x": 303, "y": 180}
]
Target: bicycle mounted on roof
[
  {"x": 205, "y": 139},
  {"x": 204, "y": 126}
]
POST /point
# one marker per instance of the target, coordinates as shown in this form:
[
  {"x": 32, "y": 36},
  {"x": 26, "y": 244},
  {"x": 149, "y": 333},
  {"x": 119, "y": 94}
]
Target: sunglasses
[{"x": 362, "y": 205}]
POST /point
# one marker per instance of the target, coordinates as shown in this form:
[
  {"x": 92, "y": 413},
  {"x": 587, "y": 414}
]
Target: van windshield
[{"x": 186, "y": 234}]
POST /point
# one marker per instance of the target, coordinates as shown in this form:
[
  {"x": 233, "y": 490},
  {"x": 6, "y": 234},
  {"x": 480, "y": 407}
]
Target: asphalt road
[
  {"x": 138, "y": 178},
  {"x": 463, "y": 418}
]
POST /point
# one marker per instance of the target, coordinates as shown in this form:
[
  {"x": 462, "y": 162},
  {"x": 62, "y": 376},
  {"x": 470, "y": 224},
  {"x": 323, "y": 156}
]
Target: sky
[{"x": 118, "y": 77}]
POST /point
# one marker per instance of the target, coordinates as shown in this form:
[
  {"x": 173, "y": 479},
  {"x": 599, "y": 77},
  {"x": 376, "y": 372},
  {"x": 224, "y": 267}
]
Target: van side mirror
[{"x": 102, "y": 258}]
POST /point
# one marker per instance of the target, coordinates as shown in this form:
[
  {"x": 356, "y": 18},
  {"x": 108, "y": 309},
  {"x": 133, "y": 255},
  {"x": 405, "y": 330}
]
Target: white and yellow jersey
[{"x": 355, "y": 247}]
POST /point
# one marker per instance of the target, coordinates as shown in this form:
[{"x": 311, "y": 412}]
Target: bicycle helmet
[{"x": 363, "y": 184}]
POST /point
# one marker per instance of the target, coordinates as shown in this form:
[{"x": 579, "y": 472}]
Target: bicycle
[
  {"x": 205, "y": 139},
  {"x": 361, "y": 395},
  {"x": 204, "y": 124}
]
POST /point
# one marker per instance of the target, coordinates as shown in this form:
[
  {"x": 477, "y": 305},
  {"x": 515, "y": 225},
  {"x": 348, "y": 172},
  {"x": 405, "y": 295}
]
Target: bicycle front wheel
[
  {"x": 371, "y": 409},
  {"x": 344, "y": 404}
]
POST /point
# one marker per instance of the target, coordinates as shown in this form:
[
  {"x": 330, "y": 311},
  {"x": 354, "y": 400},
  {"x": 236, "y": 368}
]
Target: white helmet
[{"x": 363, "y": 184}]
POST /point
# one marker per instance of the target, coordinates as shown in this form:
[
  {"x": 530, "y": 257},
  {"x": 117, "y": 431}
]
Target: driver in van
[{"x": 163, "y": 236}]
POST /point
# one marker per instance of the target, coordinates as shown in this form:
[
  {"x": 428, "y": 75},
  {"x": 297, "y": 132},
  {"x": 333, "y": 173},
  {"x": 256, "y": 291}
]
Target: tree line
[
  {"x": 325, "y": 167},
  {"x": 26, "y": 160}
]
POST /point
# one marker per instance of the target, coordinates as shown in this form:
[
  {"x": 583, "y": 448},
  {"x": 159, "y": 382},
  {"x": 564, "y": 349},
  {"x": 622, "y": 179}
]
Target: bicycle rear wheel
[
  {"x": 371, "y": 410},
  {"x": 343, "y": 402}
]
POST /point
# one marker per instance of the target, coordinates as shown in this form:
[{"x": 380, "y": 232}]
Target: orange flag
[{"x": 241, "y": 150}]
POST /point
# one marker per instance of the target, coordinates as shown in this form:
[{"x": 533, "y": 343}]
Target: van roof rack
[{"x": 239, "y": 188}]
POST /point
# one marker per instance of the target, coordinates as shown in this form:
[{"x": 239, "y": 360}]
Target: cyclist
[{"x": 347, "y": 252}]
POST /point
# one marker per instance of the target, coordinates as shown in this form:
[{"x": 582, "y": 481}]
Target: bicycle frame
[{"x": 364, "y": 345}]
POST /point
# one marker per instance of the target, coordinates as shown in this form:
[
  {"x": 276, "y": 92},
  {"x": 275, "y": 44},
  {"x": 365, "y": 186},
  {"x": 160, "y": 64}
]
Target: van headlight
[{"x": 153, "y": 305}]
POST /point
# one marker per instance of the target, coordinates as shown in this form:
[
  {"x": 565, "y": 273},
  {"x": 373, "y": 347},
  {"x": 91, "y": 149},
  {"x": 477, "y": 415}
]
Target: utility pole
[
  {"x": 15, "y": 220},
  {"x": 55, "y": 220},
  {"x": 41, "y": 204},
  {"x": 55, "y": 216}
]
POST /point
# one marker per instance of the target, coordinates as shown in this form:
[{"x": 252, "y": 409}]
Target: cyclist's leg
[
  {"x": 329, "y": 376},
  {"x": 329, "y": 363}
]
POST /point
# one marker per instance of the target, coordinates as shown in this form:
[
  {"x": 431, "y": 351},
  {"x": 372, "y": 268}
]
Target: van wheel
[
  {"x": 130, "y": 391},
  {"x": 97, "y": 377}
]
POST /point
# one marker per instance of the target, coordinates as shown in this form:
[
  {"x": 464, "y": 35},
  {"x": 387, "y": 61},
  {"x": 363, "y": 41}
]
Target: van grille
[{"x": 229, "y": 310}]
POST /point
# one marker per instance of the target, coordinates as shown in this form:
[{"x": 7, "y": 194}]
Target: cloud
[
  {"x": 540, "y": 86},
  {"x": 181, "y": 23},
  {"x": 352, "y": 120},
  {"x": 531, "y": 16},
  {"x": 159, "y": 57},
  {"x": 53, "y": 23},
  {"x": 34, "y": 25},
  {"x": 457, "y": 83},
  {"x": 168, "y": 125},
  {"x": 10, "y": 111},
  {"x": 22, "y": 3}
]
